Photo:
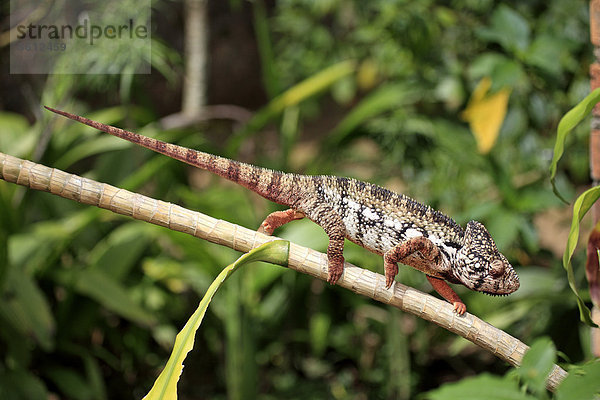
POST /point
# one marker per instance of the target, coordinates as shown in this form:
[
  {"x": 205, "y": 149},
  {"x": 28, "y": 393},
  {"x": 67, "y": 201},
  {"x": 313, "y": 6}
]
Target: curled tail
[{"x": 276, "y": 186}]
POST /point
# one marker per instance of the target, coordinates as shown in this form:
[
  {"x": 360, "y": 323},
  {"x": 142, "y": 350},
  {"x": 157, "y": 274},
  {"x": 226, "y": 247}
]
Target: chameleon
[{"x": 389, "y": 224}]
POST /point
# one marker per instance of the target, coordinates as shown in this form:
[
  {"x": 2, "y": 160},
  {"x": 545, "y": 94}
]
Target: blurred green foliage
[
  {"x": 91, "y": 301},
  {"x": 527, "y": 381}
]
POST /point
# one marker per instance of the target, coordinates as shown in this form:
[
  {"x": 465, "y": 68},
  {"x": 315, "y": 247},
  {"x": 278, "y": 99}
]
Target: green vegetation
[{"x": 92, "y": 301}]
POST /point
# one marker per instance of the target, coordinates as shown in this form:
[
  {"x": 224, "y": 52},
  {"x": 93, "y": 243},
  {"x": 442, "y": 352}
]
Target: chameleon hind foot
[{"x": 277, "y": 219}]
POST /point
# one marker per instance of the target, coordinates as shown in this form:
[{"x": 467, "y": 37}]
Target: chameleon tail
[{"x": 276, "y": 186}]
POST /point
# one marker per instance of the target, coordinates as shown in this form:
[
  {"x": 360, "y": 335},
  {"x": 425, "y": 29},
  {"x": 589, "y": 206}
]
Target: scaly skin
[{"x": 386, "y": 223}]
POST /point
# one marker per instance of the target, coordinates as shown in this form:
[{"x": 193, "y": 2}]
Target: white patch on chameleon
[
  {"x": 370, "y": 239},
  {"x": 451, "y": 251},
  {"x": 412, "y": 233},
  {"x": 437, "y": 241},
  {"x": 368, "y": 213},
  {"x": 351, "y": 203}
]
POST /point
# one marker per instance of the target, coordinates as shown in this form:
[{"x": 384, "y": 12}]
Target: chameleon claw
[
  {"x": 460, "y": 308},
  {"x": 265, "y": 228},
  {"x": 391, "y": 270},
  {"x": 333, "y": 277},
  {"x": 335, "y": 271}
]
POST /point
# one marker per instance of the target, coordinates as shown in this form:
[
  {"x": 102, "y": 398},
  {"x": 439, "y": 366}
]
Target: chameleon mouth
[{"x": 496, "y": 294}]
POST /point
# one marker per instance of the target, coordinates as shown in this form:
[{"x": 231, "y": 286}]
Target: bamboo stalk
[{"x": 301, "y": 259}]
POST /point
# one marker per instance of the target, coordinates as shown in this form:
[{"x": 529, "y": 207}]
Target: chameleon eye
[{"x": 497, "y": 268}]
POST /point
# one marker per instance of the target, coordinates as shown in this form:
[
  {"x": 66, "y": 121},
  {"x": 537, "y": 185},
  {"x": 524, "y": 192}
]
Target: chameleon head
[{"x": 480, "y": 266}]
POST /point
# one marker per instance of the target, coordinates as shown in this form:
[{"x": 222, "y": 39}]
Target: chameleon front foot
[
  {"x": 447, "y": 293},
  {"x": 460, "y": 308}
]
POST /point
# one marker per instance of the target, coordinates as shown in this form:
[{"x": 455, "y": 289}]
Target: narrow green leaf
[
  {"x": 565, "y": 126},
  {"x": 385, "y": 98},
  {"x": 120, "y": 251},
  {"x": 21, "y": 384},
  {"x": 265, "y": 49},
  {"x": 291, "y": 97},
  {"x": 98, "y": 145},
  {"x": 70, "y": 382},
  {"x": 25, "y": 307},
  {"x": 319, "y": 330},
  {"x": 94, "y": 377},
  {"x": 580, "y": 208},
  {"x": 165, "y": 386},
  {"x": 101, "y": 287},
  {"x": 69, "y": 132}
]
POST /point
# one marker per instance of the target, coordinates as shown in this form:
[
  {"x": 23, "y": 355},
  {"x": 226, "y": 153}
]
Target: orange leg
[
  {"x": 442, "y": 287},
  {"x": 278, "y": 218},
  {"x": 429, "y": 264}
]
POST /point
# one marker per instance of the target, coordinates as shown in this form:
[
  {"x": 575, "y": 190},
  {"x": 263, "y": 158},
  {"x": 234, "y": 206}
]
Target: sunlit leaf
[
  {"x": 485, "y": 114},
  {"x": 565, "y": 126},
  {"x": 165, "y": 386}
]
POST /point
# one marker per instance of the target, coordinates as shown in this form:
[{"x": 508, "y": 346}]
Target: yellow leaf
[
  {"x": 485, "y": 114},
  {"x": 367, "y": 73}
]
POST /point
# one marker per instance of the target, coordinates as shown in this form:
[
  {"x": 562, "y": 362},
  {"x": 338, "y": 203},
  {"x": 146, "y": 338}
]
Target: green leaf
[
  {"x": 68, "y": 132},
  {"x": 386, "y": 98},
  {"x": 119, "y": 252},
  {"x": 25, "y": 307},
  {"x": 291, "y": 97},
  {"x": 481, "y": 387},
  {"x": 545, "y": 53},
  {"x": 70, "y": 382},
  {"x": 101, "y": 287},
  {"x": 319, "y": 331},
  {"x": 580, "y": 208},
  {"x": 98, "y": 145},
  {"x": 537, "y": 364},
  {"x": 18, "y": 138},
  {"x": 265, "y": 49},
  {"x": 509, "y": 29},
  {"x": 165, "y": 386},
  {"x": 581, "y": 383},
  {"x": 21, "y": 384},
  {"x": 565, "y": 126}
]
